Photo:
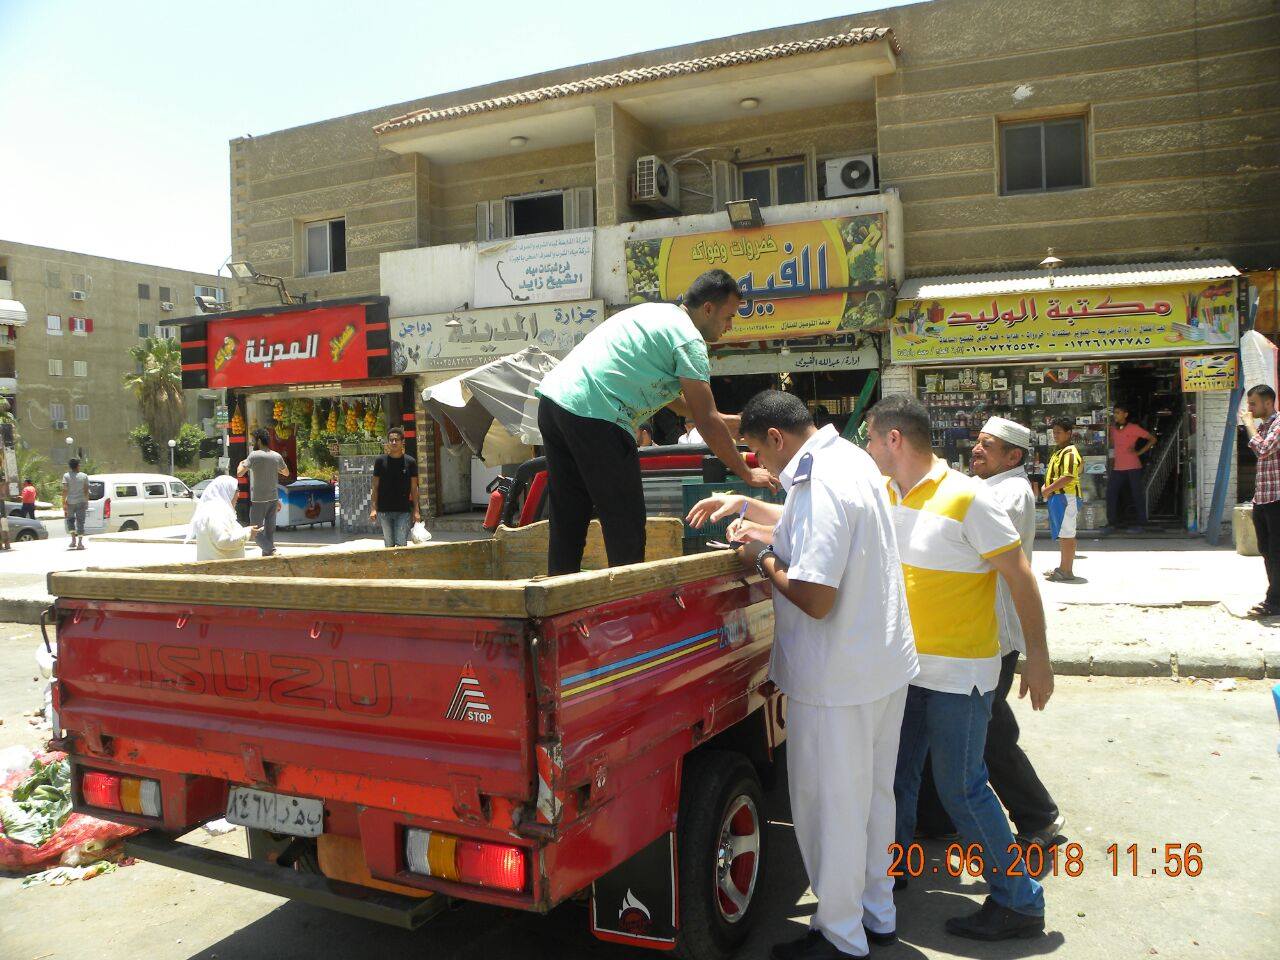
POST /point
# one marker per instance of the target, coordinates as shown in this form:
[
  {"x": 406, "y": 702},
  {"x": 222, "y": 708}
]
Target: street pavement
[{"x": 1130, "y": 761}]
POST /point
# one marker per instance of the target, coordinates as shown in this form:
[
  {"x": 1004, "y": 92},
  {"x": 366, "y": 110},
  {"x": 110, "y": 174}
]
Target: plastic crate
[{"x": 693, "y": 491}]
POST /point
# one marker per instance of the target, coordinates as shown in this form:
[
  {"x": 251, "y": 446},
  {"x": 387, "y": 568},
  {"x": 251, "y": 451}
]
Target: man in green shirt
[{"x": 636, "y": 362}]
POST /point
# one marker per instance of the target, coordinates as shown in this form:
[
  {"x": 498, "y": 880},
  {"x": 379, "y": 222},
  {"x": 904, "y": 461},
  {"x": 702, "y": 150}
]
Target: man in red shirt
[
  {"x": 1128, "y": 443},
  {"x": 29, "y": 494},
  {"x": 1260, "y": 422}
]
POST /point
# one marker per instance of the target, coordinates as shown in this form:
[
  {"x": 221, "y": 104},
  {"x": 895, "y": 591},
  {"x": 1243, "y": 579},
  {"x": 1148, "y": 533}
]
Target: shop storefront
[
  {"x": 318, "y": 377},
  {"x": 1160, "y": 340},
  {"x": 812, "y": 290}
]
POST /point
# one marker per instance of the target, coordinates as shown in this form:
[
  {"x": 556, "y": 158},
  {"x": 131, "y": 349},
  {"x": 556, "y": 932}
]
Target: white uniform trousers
[{"x": 840, "y": 764}]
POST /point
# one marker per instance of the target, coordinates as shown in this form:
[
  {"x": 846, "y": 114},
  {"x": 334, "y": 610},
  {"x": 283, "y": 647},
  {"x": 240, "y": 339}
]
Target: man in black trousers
[{"x": 638, "y": 361}]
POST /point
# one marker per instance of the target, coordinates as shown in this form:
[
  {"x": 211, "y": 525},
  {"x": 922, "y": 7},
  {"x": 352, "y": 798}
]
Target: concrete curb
[{"x": 27, "y": 611}]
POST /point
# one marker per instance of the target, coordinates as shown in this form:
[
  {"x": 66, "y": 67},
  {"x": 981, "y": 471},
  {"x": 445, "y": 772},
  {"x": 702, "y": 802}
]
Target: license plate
[{"x": 298, "y": 816}]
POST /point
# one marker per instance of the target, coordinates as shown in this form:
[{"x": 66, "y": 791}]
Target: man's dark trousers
[
  {"x": 1266, "y": 525},
  {"x": 1009, "y": 771},
  {"x": 1118, "y": 482},
  {"x": 592, "y": 465}
]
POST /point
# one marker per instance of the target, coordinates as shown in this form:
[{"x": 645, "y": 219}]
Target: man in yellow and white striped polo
[{"x": 954, "y": 539}]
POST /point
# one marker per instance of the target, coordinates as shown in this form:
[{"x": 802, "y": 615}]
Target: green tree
[
  {"x": 186, "y": 453},
  {"x": 157, "y": 386}
]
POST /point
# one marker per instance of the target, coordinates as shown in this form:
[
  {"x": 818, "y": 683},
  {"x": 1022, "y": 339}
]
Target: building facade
[
  {"x": 62, "y": 369},
  {"x": 1115, "y": 133}
]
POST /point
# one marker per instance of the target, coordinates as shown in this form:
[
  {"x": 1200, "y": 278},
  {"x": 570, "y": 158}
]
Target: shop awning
[
  {"x": 1067, "y": 278},
  {"x": 13, "y": 313},
  {"x": 498, "y": 394}
]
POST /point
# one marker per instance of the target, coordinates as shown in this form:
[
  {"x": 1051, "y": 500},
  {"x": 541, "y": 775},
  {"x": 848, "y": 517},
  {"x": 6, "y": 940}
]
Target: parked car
[
  {"x": 134, "y": 501},
  {"x": 21, "y": 529},
  {"x": 200, "y": 488}
]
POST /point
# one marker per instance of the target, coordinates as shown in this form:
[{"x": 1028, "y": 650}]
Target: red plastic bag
[{"x": 77, "y": 830}]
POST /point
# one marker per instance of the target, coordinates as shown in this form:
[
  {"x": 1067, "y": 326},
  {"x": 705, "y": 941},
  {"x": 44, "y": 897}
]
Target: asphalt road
[{"x": 1130, "y": 761}]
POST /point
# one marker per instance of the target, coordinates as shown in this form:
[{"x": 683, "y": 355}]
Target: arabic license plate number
[{"x": 297, "y": 816}]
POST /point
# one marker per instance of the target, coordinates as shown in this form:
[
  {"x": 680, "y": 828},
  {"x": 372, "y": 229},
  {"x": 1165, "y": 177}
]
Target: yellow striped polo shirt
[
  {"x": 948, "y": 526},
  {"x": 1065, "y": 462}
]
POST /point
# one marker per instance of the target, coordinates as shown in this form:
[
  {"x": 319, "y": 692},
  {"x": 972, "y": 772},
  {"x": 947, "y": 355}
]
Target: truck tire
[{"x": 721, "y": 847}]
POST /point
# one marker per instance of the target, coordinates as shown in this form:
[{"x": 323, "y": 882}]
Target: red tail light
[
  {"x": 101, "y": 790},
  {"x": 493, "y": 865},
  {"x": 106, "y": 509},
  {"x": 111, "y": 791}
]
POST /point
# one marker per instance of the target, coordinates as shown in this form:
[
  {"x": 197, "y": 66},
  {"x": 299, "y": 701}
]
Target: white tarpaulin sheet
[{"x": 499, "y": 394}]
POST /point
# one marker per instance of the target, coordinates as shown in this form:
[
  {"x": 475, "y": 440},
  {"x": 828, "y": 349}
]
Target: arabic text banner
[
  {"x": 308, "y": 347},
  {"x": 1121, "y": 320},
  {"x": 782, "y": 269},
  {"x": 478, "y": 336},
  {"x": 1217, "y": 371},
  {"x": 543, "y": 268}
]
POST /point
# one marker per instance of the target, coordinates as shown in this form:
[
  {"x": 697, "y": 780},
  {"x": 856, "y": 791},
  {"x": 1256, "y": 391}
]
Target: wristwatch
[{"x": 766, "y": 552}]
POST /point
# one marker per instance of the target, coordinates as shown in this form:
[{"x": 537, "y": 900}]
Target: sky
[{"x": 115, "y": 117}]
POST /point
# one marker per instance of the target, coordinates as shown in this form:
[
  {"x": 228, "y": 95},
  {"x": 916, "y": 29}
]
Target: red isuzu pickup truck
[{"x": 402, "y": 728}]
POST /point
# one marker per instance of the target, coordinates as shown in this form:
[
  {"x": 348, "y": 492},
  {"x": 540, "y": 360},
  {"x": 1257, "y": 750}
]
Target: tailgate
[{"x": 424, "y": 700}]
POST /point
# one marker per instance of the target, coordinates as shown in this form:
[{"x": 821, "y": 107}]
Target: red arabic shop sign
[{"x": 308, "y": 347}]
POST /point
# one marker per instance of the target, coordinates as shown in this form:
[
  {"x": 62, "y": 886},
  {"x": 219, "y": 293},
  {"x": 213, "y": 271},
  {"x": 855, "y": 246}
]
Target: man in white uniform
[
  {"x": 843, "y": 654},
  {"x": 999, "y": 458}
]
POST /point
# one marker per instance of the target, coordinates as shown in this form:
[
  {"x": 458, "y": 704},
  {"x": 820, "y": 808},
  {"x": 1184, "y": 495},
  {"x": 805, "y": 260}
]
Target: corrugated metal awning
[
  {"x": 1068, "y": 278},
  {"x": 13, "y": 313}
]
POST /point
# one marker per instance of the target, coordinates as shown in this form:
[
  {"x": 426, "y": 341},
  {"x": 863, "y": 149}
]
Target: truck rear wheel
[{"x": 720, "y": 845}]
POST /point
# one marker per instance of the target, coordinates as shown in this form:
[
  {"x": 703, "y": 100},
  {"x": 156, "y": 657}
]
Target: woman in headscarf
[{"x": 214, "y": 528}]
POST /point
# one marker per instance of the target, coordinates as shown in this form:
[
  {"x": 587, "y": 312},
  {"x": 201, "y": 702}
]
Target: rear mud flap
[{"x": 635, "y": 903}]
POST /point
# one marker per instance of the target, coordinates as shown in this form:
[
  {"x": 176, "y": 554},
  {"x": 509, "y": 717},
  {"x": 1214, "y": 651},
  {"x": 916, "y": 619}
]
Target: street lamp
[
  {"x": 70, "y": 442},
  {"x": 172, "y": 445},
  {"x": 244, "y": 271}
]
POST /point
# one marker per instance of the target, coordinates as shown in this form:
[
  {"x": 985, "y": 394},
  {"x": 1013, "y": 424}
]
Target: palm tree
[{"x": 157, "y": 386}]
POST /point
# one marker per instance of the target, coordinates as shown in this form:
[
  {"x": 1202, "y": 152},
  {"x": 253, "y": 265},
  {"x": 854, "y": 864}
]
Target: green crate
[{"x": 695, "y": 490}]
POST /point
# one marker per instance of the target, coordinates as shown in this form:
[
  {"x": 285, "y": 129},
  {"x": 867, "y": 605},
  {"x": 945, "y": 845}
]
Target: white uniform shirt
[
  {"x": 836, "y": 529},
  {"x": 1012, "y": 491},
  {"x": 693, "y": 436}
]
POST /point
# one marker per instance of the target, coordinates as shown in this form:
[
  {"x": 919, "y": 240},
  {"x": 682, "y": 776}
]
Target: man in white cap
[{"x": 999, "y": 458}]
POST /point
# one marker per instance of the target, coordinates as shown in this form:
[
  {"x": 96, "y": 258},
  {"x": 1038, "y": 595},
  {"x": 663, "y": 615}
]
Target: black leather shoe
[
  {"x": 812, "y": 946},
  {"x": 994, "y": 922},
  {"x": 1046, "y": 836},
  {"x": 880, "y": 939}
]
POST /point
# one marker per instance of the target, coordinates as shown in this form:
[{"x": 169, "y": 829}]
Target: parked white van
[{"x": 133, "y": 501}]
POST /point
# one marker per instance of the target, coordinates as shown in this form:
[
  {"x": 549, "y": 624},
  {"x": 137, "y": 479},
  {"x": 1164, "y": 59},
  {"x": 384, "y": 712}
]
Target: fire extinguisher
[{"x": 498, "y": 489}]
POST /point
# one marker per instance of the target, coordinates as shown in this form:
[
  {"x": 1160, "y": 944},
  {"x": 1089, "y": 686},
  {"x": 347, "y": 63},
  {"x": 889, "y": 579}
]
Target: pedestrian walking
[
  {"x": 214, "y": 527},
  {"x": 843, "y": 654},
  {"x": 266, "y": 468},
  {"x": 29, "y": 495},
  {"x": 395, "y": 491},
  {"x": 999, "y": 458},
  {"x": 954, "y": 539},
  {"x": 1061, "y": 492},
  {"x": 1128, "y": 443},
  {"x": 75, "y": 502},
  {"x": 1260, "y": 422},
  {"x": 647, "y": 357}
]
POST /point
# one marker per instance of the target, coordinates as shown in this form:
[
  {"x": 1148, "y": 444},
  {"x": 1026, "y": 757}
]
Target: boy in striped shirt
[{"x": 1062, "y": 493}]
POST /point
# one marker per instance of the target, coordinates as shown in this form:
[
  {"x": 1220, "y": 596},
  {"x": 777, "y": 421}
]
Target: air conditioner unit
[
  {"x": 78, "y": 295},
  {"x": 655, "y": 184},
  {"x": 166, "y": 305},
  {"x": 59, "y": 424},
  {"x": 850, "y": 176}
]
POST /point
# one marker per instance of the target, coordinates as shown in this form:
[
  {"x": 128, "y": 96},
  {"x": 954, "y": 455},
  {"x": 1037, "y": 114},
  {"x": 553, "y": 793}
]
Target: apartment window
[
  {"x": 4, "y": 271},
  {"x": 82, "y": 412},
  {"x": 213, "y": 293},
  {"x": 144, "y": 331},
  {"x": 164, "y": 333},
  {"x": 166, "y": 295},
  {"x": 79, "y": 368},
  {"x": 81, "y": 325},
  {"x": 779, "y": 182},
  {"x": 1043, "y": 155},
  {"x": 55, "y": 367},
  {"x": 540, "y": 213},
  {"x": 144, "y": 291},
  {"x": 53, "y": 279},
  {"x": 57, "y": 412},
  {"x": 326, "y": 247},
  {"x": 53, "y": 325}
]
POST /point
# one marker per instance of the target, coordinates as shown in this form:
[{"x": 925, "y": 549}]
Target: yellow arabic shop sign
[
  {"x": 1218, "y": 371},
  {"x": 794, "y": 276},
  {"x": 1119, "y": 320}
]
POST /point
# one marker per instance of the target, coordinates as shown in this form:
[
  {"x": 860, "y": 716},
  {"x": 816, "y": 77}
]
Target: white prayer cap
[{"x": 1008, "y": 431}]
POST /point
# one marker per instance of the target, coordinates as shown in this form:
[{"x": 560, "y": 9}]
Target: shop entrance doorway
[{"x": 1152, "y": 390}]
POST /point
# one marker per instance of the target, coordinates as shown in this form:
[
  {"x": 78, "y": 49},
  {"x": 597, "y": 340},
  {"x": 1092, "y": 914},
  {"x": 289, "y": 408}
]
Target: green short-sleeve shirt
[{"x": 630, "y": 365}]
